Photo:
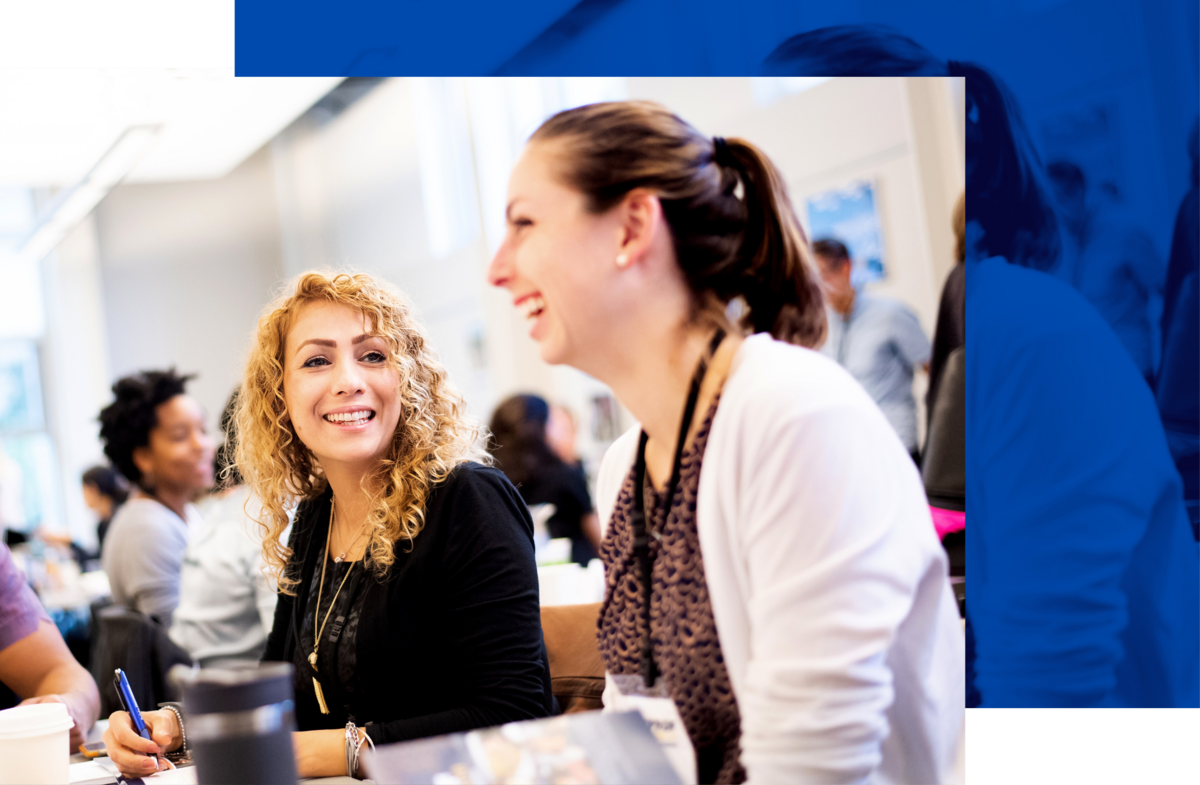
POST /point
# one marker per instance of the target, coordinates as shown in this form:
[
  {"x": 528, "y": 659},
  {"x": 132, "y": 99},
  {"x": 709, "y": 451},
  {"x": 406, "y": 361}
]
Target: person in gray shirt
[
  {"x": 226, "y": 603},
  {"x": 877, "y": 339},
  {"x": 155, "y": 434}
]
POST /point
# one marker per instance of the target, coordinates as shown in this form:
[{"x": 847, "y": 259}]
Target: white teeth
[
  {"x": 353, "y": 418},
  {"x": 532, "y": 306}
]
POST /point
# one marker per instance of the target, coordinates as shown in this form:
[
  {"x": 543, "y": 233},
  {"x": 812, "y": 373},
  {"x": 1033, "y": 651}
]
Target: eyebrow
[{"x": 332, "y": 344}]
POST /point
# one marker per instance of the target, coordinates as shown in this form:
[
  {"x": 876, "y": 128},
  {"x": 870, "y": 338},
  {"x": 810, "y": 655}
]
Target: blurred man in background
[{"x": 877, "y": 339}]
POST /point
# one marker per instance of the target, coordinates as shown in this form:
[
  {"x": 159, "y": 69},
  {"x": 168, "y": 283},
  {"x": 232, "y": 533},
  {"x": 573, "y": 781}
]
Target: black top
[
  {"x": 564, "y": 486},
  {"x": 950, "y": 332},
  {"x": 450, "y": 640},
  {"x": 337, "y": 660},
  {"x": 101, "y": 533}
]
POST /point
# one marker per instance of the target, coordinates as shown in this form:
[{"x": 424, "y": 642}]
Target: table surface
[{"x": 97, "y": 735}]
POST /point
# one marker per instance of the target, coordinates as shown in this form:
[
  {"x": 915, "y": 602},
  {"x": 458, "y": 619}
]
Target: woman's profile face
[
  {"x": 557, "y": 261},
  {"x": 96, "y": 501},
  {"x": 179, "y": 456},
  {"x": 342, "y": 395}
]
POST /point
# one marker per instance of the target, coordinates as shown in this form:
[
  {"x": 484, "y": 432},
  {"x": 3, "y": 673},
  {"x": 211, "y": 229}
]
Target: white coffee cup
[{"x": 33, "y": 744}]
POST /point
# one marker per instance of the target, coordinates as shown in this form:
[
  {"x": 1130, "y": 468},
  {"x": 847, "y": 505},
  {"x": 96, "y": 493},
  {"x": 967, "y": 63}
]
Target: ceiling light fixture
[{"x": 72, "y": 205}]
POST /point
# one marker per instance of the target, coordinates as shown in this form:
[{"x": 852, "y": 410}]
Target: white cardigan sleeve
[
  {"x": 615, "y": 465},
  {"x": 821, "y": 522}
]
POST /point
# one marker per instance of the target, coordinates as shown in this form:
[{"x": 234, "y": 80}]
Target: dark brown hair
[
  {"x": 728, "y": 245},
  {"x": 518, "y": 440},
  {"x": 832, "y": 253}
]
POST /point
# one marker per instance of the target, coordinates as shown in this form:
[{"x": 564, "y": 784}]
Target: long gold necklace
[{"x": 312, "y": 658}]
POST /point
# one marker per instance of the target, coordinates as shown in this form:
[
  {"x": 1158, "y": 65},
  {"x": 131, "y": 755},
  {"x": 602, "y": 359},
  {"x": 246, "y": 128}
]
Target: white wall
[
  {"x": 350, "y": 197},
  {"x": 898, "y": 133},
  {"x": 77, "y": 369},
  {"x": 186, "y": 270}
]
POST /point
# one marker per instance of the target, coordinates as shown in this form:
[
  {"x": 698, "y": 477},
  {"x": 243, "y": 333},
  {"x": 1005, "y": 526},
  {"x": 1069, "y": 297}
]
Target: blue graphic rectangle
[{"x": 1083, "y": 402}]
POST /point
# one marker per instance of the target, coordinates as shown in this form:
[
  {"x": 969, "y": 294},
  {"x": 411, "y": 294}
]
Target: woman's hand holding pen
[{"x": 129, "y": 750}]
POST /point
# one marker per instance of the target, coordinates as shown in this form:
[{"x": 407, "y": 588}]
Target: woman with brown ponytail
[{"x": 797, "y": 613}]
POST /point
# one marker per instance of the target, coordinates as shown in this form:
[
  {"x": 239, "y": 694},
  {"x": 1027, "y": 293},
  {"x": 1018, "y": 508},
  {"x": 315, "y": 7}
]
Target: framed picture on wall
[
  {"x": 849, "y": 214},
  {"x": 20, "y": 387}
]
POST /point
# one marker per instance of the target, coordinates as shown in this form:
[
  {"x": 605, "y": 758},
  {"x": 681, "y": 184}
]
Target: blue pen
[{"x": 127, "y": 700}]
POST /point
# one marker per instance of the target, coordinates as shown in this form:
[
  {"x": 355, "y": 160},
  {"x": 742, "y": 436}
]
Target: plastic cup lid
[{"x": 34, "y": 720}]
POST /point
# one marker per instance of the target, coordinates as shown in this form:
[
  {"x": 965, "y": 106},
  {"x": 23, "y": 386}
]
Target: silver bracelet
[
  {"x": 367, "y": 738},
  {"x": 183, "y": 748},
  {"x": 351, "y": 747}
]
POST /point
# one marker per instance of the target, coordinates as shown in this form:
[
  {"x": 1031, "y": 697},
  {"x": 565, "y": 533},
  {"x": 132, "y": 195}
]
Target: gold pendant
[
  {"x": 320, "y": 696},
  {"x": 312, "y": 660}
]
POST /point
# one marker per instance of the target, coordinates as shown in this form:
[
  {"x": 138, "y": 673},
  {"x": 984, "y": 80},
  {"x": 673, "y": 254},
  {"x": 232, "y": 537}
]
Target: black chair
[{"x": 138, "y": 645}]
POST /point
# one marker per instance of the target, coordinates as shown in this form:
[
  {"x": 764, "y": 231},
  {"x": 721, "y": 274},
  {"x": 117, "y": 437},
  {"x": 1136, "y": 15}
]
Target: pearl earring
[{"x": 622, "y": 260}]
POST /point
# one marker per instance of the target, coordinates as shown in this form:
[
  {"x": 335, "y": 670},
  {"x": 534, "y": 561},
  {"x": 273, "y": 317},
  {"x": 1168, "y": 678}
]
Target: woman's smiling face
[
  {"x": 342, "y": 393},
  {"x": 557, "y": 260}
]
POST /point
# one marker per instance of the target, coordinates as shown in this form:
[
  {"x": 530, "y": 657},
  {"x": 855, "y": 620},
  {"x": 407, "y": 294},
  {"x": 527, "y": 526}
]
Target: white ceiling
[{"x": 55, "y": 124}]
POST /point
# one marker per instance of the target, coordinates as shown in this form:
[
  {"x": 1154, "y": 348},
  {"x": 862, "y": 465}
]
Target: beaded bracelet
[{"x": 182, "y": 753}]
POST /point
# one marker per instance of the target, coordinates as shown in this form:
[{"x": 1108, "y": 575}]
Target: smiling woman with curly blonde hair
[
  {"x": 407, "y": 555},
  {"x": 435, "y": 437}
]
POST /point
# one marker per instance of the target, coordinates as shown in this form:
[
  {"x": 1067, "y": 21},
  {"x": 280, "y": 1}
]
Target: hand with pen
[
  {"x": 130, "y": 731},
  {"x": 135, "y": 755}
]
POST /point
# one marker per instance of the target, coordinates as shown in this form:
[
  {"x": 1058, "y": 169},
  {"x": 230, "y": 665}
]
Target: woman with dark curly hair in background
[{"x": 155, "y": 435}]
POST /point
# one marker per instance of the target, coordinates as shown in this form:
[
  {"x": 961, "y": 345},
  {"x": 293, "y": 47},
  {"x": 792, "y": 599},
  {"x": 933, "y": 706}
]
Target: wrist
[{"x": 173, "y": 727}]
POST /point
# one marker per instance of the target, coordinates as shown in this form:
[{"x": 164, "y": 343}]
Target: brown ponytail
[{"x": 728, "y": 245}]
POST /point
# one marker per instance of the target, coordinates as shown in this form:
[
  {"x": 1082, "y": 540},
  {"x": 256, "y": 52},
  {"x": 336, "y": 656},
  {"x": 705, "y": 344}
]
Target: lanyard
[{"x": 641, "y": 537}]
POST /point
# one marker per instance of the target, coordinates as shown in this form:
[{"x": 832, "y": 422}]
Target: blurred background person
[
  {"x": 155, "y": 435},
  {"x": 226, "y": 604},
  {"x": 1079, "y": 523},
  {"x": 542, "y": 476},
  {"x": 1112, "y": 264},
  {"x": 950, "y": 331},
  {"x": 1178, "y": 381},
  {"x": 877, "y": 339},
  {"x": 104, "y": 491},
  {"x": 943, "y": 459},
  {"x": 1090, "y": 598},
  {"x": 35, "y": 663},
  {"x": 562, "y": 434}
]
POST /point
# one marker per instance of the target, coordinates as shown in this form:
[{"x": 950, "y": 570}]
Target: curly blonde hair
[{"x": 434, "y": 434}]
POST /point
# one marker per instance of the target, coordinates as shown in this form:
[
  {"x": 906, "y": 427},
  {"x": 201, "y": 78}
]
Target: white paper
[
  {"x": 89, "y": 771},
  {"x": 102, "y": 770},
  {"x": 184, "y": 776}
]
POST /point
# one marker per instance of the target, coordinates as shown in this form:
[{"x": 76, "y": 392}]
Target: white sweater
[
  {"x": 837, "y": 622},
  {"x": 226, "y": 604}
]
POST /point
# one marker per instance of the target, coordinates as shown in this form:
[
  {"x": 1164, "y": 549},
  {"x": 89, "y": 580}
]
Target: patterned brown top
[{"x": 683, "y": 632}]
